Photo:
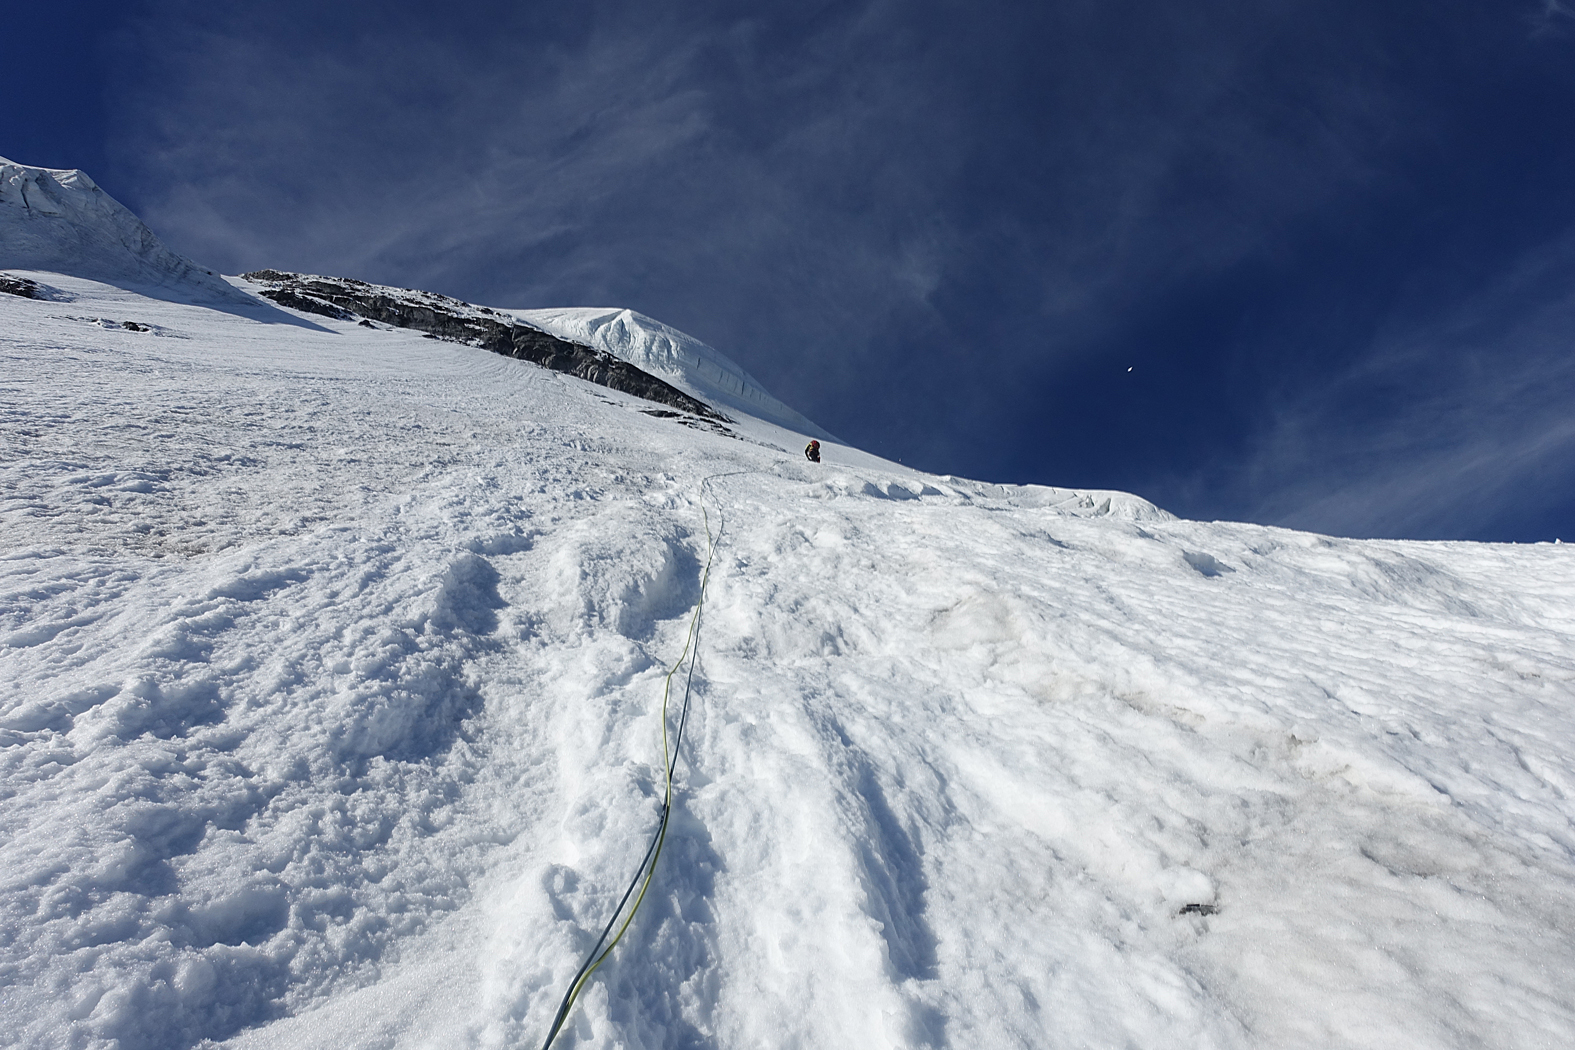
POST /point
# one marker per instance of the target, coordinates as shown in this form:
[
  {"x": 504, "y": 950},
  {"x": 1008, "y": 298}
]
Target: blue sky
[{"x": 1302, "y": 263}]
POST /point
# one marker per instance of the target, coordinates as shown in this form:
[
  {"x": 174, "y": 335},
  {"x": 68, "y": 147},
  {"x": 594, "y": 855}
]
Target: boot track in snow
[{"x": 653, "y": 853}]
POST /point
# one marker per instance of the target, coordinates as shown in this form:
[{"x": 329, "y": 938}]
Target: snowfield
[{"x": 330, "y": 677}]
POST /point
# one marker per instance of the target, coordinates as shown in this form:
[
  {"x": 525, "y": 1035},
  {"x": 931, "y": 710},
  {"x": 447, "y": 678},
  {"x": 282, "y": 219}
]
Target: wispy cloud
[
  {"x": 1458, "y": 425},
  {"x": 798, "y": 187},
  {"x": 918, "y": 222},
  {"x": 614, "y": 165},
  {"x": 1553, "y": 16}
]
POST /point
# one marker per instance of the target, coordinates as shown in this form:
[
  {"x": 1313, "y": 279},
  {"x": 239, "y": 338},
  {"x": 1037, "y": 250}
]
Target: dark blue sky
[{"x": 1334, "y": 242}]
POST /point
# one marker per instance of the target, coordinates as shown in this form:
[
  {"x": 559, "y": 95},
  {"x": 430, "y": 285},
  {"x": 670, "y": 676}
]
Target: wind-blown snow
[
  {"x": 61, "y": 220},
  {"x": 330, "y": 665},
  {"x": 680, "y": 359}
]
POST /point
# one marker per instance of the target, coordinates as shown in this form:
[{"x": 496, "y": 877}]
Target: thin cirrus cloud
[
  {"x": 609, "y": 168},
  {"x": 938, "y": 228},
  {"x": 1454, "y": 425}
]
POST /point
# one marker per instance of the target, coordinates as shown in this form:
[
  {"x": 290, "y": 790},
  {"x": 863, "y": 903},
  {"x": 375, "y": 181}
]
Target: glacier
[{"x": 331, "y": 661}]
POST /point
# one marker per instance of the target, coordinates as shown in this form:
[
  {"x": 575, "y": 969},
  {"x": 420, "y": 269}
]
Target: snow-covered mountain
[
  {"x": 332, "y": 664},
  {"x": 62, "y": 221}
]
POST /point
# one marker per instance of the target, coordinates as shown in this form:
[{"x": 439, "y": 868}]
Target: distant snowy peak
[
  {"x": 61, "y": 221},
  {"x": 681, "y": 359}
]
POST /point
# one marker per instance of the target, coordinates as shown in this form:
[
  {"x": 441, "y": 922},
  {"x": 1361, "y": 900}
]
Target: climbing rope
[{"x": 653, "y": 853}]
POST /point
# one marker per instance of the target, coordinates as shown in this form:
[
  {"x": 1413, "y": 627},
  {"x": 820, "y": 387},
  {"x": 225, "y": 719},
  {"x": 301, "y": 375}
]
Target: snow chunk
[{"x": 1186, "y": 889}]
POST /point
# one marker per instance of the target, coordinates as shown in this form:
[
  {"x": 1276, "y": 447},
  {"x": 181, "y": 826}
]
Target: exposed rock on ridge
[
  {"x": 441, "y": 317},
  {"x": 24, "y": 287}
]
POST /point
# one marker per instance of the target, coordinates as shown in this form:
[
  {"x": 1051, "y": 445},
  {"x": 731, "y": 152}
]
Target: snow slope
[
  {"x": 61, "y": 220},
  {"x": 681, "y": 359},
  {"x": 330, "y": 669}
]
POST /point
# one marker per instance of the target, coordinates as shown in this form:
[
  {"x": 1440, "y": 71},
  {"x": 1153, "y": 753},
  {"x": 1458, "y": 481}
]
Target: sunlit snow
[{"x": 331, "y": 663}]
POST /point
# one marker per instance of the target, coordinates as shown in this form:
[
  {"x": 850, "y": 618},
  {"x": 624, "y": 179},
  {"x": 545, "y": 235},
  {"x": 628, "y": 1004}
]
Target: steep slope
[
  {"x": 62, "y": 221},
  {"x": 330, "y": 676}
]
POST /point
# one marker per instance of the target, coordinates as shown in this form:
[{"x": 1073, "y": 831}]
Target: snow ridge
[
  {"x": 62, "y": 221},
  {"x": 444, "y": 318},
  {"x": 680, "y": 358}
]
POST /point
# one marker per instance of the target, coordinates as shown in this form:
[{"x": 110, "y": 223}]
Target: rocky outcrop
[
  {"x": 441, "y": 317},
  {"x": 22, "y": 286}
]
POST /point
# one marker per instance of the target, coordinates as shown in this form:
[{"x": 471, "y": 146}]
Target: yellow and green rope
[{"x": 647, "y": 869}]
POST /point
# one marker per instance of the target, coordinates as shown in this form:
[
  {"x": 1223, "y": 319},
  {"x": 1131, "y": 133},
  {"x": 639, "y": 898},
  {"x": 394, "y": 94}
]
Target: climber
[{"x": 812, "y": 452}]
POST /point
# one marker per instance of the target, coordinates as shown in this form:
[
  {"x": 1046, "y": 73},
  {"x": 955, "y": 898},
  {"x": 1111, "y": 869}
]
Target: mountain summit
[
  {"x": 680, "y": 358},
  {"x": 62, "y": 221}
]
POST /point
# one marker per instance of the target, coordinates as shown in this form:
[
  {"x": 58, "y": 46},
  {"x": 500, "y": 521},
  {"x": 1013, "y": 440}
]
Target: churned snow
[{"x": 331, "y": 666}]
